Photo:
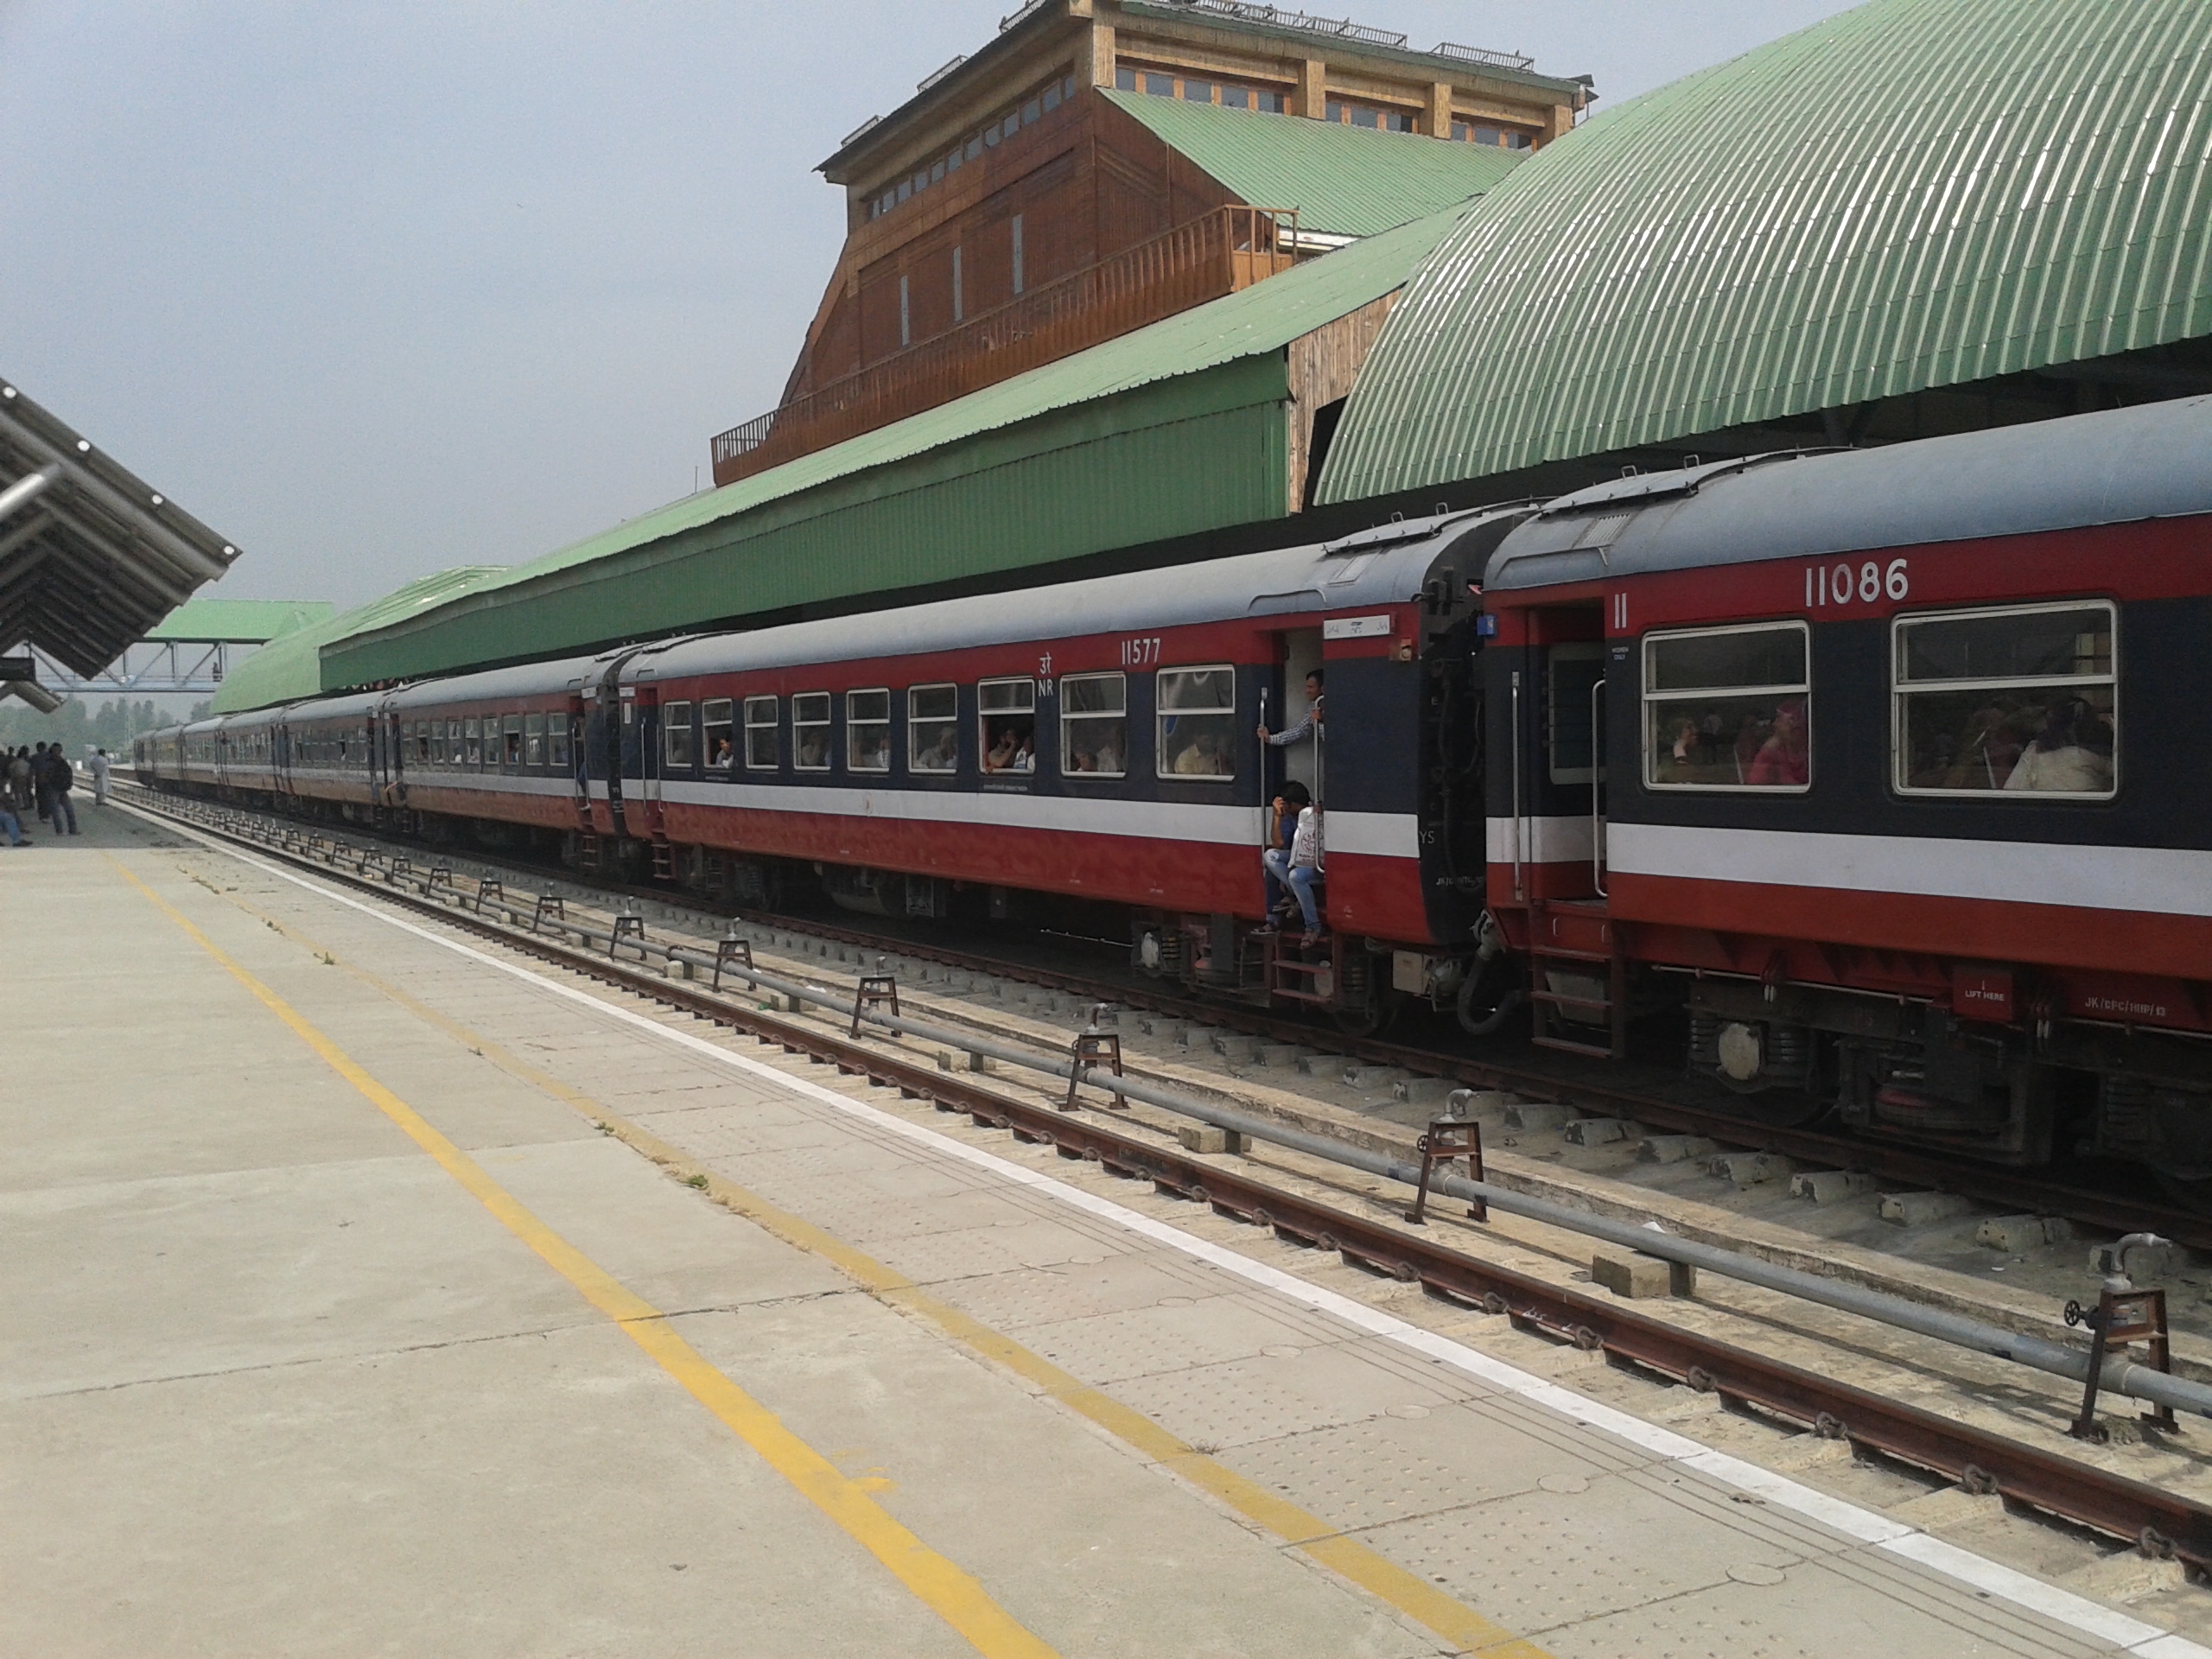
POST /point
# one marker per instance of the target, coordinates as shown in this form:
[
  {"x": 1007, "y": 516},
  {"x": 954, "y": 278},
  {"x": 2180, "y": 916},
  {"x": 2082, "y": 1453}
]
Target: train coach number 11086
[{"x": 1843, "y": 583}]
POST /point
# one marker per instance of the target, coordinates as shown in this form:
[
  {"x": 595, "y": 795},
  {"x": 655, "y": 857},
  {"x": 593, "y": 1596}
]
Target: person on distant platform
[
  {"x": 61, "y": 779},
  {"x": 100, "y": 764}
]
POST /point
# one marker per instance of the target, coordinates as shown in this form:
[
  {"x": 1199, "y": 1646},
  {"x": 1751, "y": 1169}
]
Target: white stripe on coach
[{"x": 2157, "y": 880}]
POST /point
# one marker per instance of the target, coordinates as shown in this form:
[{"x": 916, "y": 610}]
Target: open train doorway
[{"x": 1299, "y": 762}]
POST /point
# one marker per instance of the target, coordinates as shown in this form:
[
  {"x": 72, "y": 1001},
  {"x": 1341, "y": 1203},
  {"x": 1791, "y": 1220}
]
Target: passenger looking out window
[
  {"x": 1094, "y": 726},
  {"x": 511, "y": 753},
  {"x": 1197, "y": 711},
  {"x": 868, "y": 731},
  {"x": 933, "y": 728},
  {"x": 811, "y": 731},
  {"x": 1007, "y": 716},
  {"x": 2019, "y": 700},
  {"x": 475, "y": 745},
  {"x": 717, "y": 729},
  {"x": 760, "y": 744},
  {"x": 1728, "y": 708}
]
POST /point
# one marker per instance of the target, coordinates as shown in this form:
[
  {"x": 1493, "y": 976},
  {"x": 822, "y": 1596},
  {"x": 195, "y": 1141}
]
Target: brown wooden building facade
[{"x": 1009, "y": 203}]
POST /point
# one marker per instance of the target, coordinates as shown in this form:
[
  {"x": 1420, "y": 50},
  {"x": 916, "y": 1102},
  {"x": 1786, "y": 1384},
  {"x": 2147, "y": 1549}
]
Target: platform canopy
[{"x": 91, "y": 557}]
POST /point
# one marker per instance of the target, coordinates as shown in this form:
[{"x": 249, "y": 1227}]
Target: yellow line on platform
[
  {"x": 954, "y": 1595},
  {"x": 1468, "y": 1631}
]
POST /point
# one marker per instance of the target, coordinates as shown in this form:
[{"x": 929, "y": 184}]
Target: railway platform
[{"x": 374, "y": 1290}]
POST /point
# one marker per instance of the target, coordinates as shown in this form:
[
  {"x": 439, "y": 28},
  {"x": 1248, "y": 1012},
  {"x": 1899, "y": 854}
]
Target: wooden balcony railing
[{"x": 1226, "y": 250}]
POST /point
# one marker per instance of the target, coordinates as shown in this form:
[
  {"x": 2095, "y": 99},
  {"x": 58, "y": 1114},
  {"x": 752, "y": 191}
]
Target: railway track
[
  {"x": 2160, "y": 1523},
  {"x": 1593, "y": 1088}
]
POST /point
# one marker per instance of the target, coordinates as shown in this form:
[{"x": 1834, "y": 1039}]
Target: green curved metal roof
[
  {"x": 289, "y": 667},
  {"x": 1914, "y": 193}
]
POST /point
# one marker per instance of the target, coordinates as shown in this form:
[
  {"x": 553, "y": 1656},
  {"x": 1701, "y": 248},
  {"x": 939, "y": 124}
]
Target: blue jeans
[
  {"x": 13, "y": 825},
  {"x": 62, "y": 805},
  {"x": 1299, "y": 880}
]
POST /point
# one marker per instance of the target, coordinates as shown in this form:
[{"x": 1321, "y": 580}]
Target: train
[{"x": 1869, "y": 784}]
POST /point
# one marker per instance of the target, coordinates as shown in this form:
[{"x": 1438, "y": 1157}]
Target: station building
[{"x": 1917, "y": 217}]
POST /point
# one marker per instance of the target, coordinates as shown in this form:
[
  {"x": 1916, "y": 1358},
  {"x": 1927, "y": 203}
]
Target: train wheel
[{"x": 1775, "y": 1108}]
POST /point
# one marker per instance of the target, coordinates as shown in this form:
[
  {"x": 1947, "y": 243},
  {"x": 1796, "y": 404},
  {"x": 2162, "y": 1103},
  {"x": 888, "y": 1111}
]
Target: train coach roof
[
  {"x": 1383, "y": 566},
  {"x": 2116, "y": 466},
  {"x": 496, "y": 684}
]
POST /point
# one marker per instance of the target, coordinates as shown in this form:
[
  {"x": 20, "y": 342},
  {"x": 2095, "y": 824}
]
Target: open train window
[
  {"x": 1729, "y": 708},
  {"x": 932, "y": 728},
  {"x": 2021, "y": 701},
  {"x": 811, "y": 731},
  {"x": 1006, "y": 717},
  {"x": 474, "y": 750},
  {"x": 867, "y": 730},
  {"x": 556, "y": 742},
  {"x": 1197, "y": 721},
  {"x": 1094, "y": 726},
  {"x": 675, "y": 734},
  {"x": 533, "y": 740},
  {"x": 718, "y": 734},
  {"x": 511, "y": 745},
  {"x": 760, "y": 735}
]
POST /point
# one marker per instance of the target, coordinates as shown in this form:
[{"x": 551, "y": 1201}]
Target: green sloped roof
[
  {"x": 1914, "y": 193},
  {"x": 732, "y": 551},
  {"x": 289, "y": 667},
  {"x": 241, "y": 621},
  {"x": 1343, "y": 181}
]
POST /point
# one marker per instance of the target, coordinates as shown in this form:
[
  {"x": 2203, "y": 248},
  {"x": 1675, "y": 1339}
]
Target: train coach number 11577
[
  {"x": 1139, "y": 653},
  {"x": 1845, "y": 582}
]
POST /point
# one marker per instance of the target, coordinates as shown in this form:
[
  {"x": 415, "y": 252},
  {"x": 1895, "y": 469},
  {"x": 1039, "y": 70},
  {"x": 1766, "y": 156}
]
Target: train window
[
  {"x": 1094, "y": 726},
  {"x": 556, "y": 742},
  {"x": 675, "y": 734},
  {"x": 443, "y": 739},
  {"x": 718, "y": 733},
  {"x": 2019, "y": 700},
  {"x": 811, "y": 731},
  {"x": 1571, "y": 675},
  {"x": 510, "y": 745},
  {"x": 423, "y": 741},
  {"x": 1197, "y": 722},
  {"x": 1728, "y": 708},
  {"x": 474, "y": 747},
  {"x": 760, "y": 735},
  {"x": 867, "y": 730},
  {"x": 1006, "y": 717},
  {"x": 933, "y": 728},
  {"x": 533, "y": 740}
]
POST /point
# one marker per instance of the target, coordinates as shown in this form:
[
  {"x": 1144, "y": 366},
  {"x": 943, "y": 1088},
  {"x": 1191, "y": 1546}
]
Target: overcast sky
[{"x": 375, "y": 288}]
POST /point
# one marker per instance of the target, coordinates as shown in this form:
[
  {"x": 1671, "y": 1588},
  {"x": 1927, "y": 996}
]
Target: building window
[
  {"x": 1006, "y": 719},
  {"x": 1229, "y": 95},
  {"x": 868, "y": 731},
  {"x": 932, "y": 728},
  {"x": 1484, "y": 132},
  {"x": 1197, "y": 711},
  {"x": 959, "y": 297},
  {"x": 675, "y": 734},
  {"x": 1728, "y": 708},
  {"x": 1017, "y": 253},
  {"x": 905, "y": 313},
  {"x": 760, "y": 735},
  {"x": 1377, "y": 117},
  {"x": 2019, "y": 700},
  {"x": 1094, "y": 726},
  {"x": 1040, "y": 101},
  {"x": 811, "y": 731}
]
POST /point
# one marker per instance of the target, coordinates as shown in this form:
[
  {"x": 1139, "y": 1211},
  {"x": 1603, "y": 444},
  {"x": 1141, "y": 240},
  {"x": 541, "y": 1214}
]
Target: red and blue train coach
[{"x": 1892, "y": 770}]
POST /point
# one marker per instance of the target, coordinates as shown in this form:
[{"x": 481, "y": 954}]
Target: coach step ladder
[
  {"x": 663, "y": 857},
  {"x": 1578, "y": 979}
]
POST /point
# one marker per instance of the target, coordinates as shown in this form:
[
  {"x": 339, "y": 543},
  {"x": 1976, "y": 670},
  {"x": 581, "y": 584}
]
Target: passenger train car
[{"x": 1878, "y": 781}]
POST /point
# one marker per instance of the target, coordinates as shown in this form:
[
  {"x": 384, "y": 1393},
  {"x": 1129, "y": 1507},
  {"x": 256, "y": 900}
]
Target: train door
[
  {"x": 1556, "y": 686},
  {"x": 1299, "y": 653}
]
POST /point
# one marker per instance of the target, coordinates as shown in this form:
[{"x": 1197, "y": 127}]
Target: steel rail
[{"x": 2160, "y": 1523}]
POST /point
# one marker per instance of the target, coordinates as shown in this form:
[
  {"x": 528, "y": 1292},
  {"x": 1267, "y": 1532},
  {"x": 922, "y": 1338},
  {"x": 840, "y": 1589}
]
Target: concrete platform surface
[{"x": 337, "y": 1324}]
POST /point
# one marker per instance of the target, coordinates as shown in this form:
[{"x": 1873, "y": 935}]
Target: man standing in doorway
[{"x": 1307, "y": 727}]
